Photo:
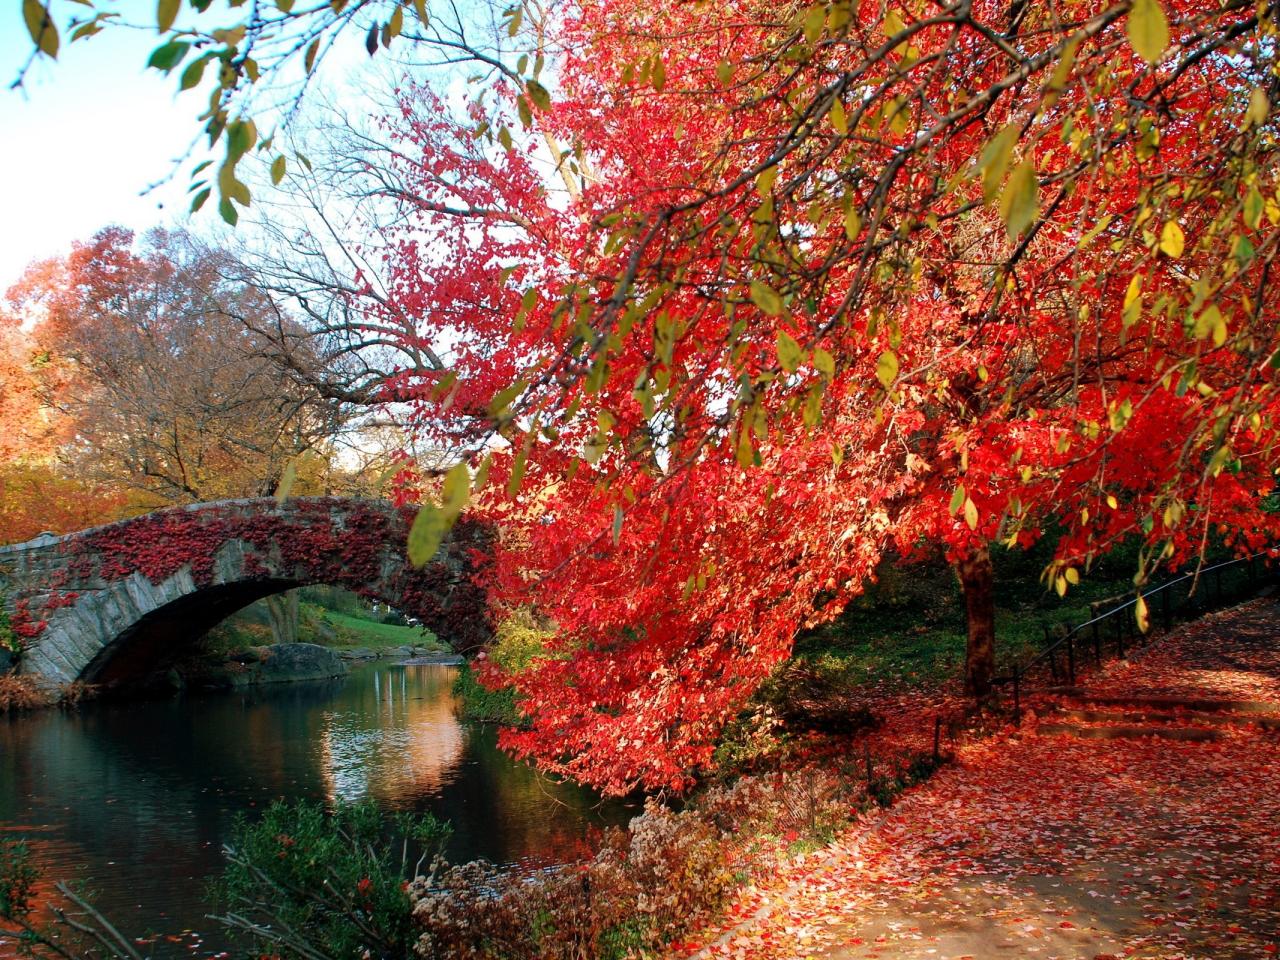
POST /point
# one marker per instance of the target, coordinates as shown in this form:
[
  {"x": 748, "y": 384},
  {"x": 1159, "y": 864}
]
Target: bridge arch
[{"x": 95, "y": 606}]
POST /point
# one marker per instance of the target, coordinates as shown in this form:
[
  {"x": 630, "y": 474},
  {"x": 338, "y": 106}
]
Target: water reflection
[{"x": 138, "y": 798}]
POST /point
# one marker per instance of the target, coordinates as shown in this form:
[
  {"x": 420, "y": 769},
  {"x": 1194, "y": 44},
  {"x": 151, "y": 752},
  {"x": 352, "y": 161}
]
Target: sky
[{"x": 83, "y": 140}]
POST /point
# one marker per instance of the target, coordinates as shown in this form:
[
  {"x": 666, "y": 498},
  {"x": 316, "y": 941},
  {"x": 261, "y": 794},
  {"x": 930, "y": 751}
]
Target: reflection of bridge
[{"x": 110, "y": 602}]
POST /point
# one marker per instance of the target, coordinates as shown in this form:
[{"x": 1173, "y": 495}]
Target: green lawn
[
  {"x": 356, "y": 631},
  {"x": 909, "y": 629}
]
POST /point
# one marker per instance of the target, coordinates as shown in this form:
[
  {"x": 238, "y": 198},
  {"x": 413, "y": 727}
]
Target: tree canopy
[{"x": 733, "y": 297}]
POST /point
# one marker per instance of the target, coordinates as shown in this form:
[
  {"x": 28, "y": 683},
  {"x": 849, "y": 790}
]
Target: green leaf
[
  {"x": 456, "y": 491},
  {"x": 839, "y": 119},
  {"x": 745, "y": 453},
  {"x": 169, "y": 55},
  {"x": 1148, "y": 29},
  {"x": 957, "y": 500},
  {"x": 617, "y": 524},
  {"x": 824, "y": 362},
  {"x": 789, "y": 353},
  {"x": 539, "y": 94},
  {"x": 199, "y": 199},
  {"x": 278, "y": 167},
  {"x": 1253, "y": 208},
  {"x": 1020, "y": 202},
  {"x": 519, "y": 465},
  {"x": 887, "y": 369},
  {"x": 426, "y": 534},
  {"x": 1211, "y": 323},
  {"x": 502, "y": 399},
  {"x": 814, "y": 21},
  {"x": 194, "y": 73},
  {"x": 766, "y": 298},
  {"x": 166, "y": 14},
  {"x": 994, "y": 161},
  {"x": 228, "y": 211},
  {"x": 40, "y": 25}
]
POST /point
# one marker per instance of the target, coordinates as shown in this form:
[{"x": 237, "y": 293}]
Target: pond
[{"x": 137, "y": 798}]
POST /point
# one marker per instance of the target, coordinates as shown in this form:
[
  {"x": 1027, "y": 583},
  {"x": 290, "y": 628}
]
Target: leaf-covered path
[{"x": 1054, "y": 847}]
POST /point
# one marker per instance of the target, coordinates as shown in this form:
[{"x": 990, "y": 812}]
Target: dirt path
[{"x": 1053, "y": 847}]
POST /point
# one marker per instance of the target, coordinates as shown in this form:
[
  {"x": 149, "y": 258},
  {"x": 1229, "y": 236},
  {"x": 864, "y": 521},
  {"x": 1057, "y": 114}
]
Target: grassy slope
[
  {"x": 355, "y": 631},
  {"x": 910, "y": 628}
]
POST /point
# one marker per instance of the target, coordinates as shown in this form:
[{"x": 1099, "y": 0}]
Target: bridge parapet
[{"x": 98, "y": 604}]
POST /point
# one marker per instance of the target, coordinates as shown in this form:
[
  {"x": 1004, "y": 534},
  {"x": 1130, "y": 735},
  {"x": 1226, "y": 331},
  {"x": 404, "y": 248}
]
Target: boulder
[
  {"x": 358, "y": 653},
  {"x": 297, "y": 661},
  {"x": 8, "y": 660}
]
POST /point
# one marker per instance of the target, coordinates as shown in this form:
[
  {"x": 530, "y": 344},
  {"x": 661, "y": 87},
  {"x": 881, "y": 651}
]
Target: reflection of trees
[
  {"x": 401, "y": 741},
  {"x": 141, "y": 796}
]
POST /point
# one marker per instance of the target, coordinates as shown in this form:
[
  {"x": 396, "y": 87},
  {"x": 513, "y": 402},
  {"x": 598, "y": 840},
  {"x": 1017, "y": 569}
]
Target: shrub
[
  {"x": 643, "y": 888},
  {"x": 483, "y": 705},
  {"x": 20, "y": 693},
  {"x": 520, "y": 637},
  {"x": 9, "y": 639},
  {"x": 303, "y": 882}
]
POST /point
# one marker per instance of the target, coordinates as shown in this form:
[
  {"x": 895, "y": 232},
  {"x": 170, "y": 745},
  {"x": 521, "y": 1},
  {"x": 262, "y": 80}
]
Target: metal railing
[{"x": 1064, "y": 654}]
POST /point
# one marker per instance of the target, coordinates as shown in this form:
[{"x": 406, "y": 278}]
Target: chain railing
[{"x": 1066, "y": 652}]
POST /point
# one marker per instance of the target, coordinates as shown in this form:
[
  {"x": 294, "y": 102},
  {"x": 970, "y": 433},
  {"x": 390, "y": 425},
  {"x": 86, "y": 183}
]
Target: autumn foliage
[{"x": 828, "y": 279}]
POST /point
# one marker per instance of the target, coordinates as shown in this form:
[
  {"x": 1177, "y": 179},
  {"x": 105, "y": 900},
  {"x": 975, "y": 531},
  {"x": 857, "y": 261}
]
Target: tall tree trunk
[
  {"x": 282, "y": 612},
  {"x": 977, "y": 579}
]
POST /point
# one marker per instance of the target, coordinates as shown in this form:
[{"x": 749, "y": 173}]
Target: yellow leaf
[
  {"x": 40, "y": 25},
  {"x": 456, "y": 490},
  {"x": 838, "y": 118},
  {"x": 1140, "y": 614},
  {"x": 852, "y": 223},
  {"x": 887, "y": 369},
  {"x": 994, "y": 161},
  {"x": 824, "y": 362},
  {"x": 428, "y": 530},
  {"x": 766, "y": 298},
  {"x": 789, "y": 352},
  {"x": 287, "y": 479},
  {"x": 1148, "y": 29},
  {"x": 1172, "y": 240},
  {"x": 1259, "y": 107},
  {"x": 971, "y": 514},
  {"x": 1020, "y": 203},
  {"x": 166, "y": 13}
]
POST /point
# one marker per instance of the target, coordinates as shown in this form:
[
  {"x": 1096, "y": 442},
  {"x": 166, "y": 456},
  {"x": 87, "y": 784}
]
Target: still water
[{"x": 138, "y": 798}]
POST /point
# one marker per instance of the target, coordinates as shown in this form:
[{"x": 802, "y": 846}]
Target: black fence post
[
  {"x": 1071, "y": 657},
  {"x": 1166, "y": 611},
  {"x": 1097, "y": 644}
]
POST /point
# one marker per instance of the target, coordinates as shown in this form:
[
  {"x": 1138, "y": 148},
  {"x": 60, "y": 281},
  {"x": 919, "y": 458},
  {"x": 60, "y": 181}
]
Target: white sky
[{"x": 83, "y": 140}]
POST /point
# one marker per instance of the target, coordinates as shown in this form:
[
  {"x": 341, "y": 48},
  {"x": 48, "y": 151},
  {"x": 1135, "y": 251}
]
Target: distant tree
[{"x": 171, "y": 394}]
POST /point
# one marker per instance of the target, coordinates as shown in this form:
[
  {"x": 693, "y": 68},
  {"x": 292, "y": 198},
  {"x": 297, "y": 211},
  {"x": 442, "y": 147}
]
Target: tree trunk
[
  {"x": 282, "y": 612},
  {"x": 977, "y": 579}
]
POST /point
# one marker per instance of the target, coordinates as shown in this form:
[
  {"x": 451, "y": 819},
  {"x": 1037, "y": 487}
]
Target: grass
[
  {"x": 909, "y": 629},
  {"x": 355, "y": 631}
]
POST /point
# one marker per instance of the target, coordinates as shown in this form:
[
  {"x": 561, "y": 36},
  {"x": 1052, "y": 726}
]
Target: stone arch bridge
[{"x": 108, "y": 603}]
